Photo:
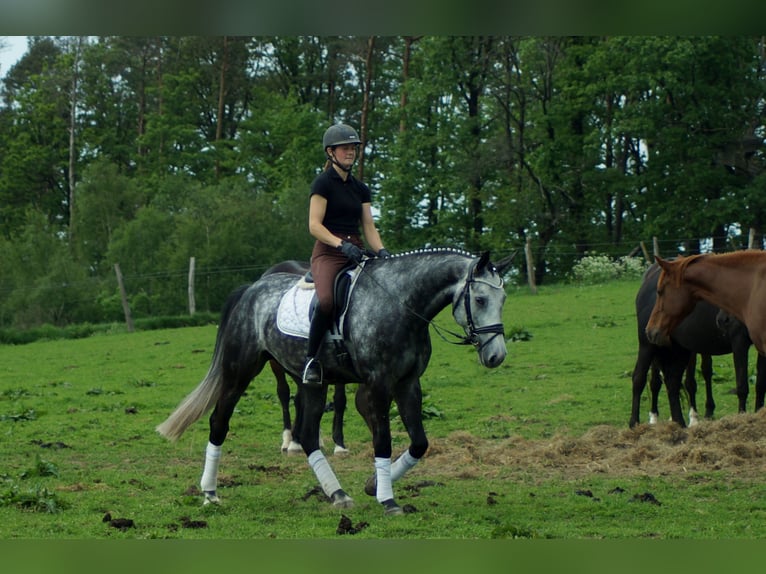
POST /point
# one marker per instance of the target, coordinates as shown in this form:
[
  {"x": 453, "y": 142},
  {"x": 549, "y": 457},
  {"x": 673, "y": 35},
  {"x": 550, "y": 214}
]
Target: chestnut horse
[
  {"x": 732, "y": 281},
  {"x": 705, "y": 331}
]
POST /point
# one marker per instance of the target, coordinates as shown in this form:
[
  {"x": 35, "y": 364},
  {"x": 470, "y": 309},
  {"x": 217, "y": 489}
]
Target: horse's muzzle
[
  {"x": 657, "y": 337},
  {"x": 493, "y": 351}
]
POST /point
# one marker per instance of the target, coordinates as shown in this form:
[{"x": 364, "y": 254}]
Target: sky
[{"x": 15, "y": 47}]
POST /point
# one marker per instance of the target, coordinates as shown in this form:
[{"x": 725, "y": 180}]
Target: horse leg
[
  {"x": 706, "y": 366},
  {"x": 655, "y": 385},
  {"x": 640, "y": 371},
  {"x": 310, "y": 409},
  {"x": 409, "y": 400},
  {"x": 691, "y": 387},
  {"x": 740, "y": 376},
  {"x": 234, "y": 385},
  {"x": 339, "y": 410},
  {"x": 283, "y": 392},
  {"x": 760, "y": 381},
  {"x": 294, "y": 447},
  {"x": 374, "y": 403},
  {"x": 674, "y": 369}
]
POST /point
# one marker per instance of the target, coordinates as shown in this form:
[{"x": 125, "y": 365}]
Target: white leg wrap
[
  {"x": 402, "y": 464},
  {"x": 209, "y": 479},
  {"x": 323, "y": 472},
  {"x": 694, "y": 418},
  {"x": 385, "y": 490}
]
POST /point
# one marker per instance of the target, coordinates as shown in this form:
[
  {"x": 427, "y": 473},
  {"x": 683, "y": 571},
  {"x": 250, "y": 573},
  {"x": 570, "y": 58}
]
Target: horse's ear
[
  {"x": 483, "y": 262},
  {"x": 664, "y": 263},
  {"x": 505, "y": 263}
]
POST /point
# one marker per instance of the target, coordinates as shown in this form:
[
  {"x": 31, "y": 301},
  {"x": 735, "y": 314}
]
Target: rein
[{"x": 473, "y": 331}]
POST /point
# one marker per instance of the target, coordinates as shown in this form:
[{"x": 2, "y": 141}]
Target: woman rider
[{"x": 339, "y": 203}]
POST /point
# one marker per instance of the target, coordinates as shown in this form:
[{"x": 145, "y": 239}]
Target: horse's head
[
  {"x": 478, "y": 308},
  {"x": 675, "y": 300}
]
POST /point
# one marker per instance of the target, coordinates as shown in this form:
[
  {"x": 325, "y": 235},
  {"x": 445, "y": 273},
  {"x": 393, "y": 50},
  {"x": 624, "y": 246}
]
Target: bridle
[{"x": 472, "y": 330}]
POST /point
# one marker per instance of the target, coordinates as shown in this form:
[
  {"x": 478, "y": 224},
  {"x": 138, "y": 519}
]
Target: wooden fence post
[
  {"x": 530, "y": 266},
  {"x": 124, "y": 297},
  {"x": 655, "y": 246},
  {"x": 192, "y": 303},
  {"x": 646, "y": 253}
]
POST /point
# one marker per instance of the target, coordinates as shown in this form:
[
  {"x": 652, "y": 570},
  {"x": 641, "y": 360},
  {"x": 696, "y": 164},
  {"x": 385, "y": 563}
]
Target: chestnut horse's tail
[{"x": 202, "y": 399}]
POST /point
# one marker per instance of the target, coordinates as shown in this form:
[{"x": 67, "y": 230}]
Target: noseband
[{"x": 472, "y": 330}]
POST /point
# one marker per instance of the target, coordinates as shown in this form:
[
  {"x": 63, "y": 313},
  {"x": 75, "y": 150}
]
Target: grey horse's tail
[{"x": 202, "y": 399}]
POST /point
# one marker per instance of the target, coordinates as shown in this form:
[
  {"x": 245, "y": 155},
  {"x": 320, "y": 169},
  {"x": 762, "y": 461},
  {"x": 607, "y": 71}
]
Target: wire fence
[{"x": 212, "y": 283}]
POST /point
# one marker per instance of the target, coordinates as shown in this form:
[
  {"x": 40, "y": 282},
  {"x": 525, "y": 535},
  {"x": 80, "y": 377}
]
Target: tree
[
  {"x": 34, "y": 163},
  {"x": 156, "y": 149}
]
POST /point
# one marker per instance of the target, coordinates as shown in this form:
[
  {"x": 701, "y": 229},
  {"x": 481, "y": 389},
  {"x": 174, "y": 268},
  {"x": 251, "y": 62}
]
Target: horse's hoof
[
  {"x": 294, "y": 448},
  {"x": 211, "y": 498},
  {"x": 340, "y": 449},
  {"x": 340, "y": 499},
  {"x": 390, "y": 508},
  {"x": 371, "y": 486},
  {"x": 287, "y": 438}
]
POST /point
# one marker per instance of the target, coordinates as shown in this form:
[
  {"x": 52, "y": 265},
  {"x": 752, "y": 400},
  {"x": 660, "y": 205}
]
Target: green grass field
[{"x": 514, "y": 451}]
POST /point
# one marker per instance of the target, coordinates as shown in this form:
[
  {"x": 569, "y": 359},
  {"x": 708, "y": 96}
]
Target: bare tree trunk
[
  {"x": 221, "y": 99},
  {"x": 72, "y": 126},
  {"x": 141, "y": 120},
  {"x": 363, "y": 128},
  {"x": 408, "y": 42}
]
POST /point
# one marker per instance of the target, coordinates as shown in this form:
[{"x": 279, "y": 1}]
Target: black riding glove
[
  {"x": 384, "y": 254},
  {"x": 351, "y": 251}
]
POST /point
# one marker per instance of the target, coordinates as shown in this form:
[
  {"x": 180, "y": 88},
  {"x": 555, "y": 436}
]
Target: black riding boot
[{"x": 312, "y": 372}]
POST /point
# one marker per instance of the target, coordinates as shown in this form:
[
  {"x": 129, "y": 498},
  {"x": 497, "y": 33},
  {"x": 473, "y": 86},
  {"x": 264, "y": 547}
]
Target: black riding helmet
[{"x": 339, "y": 134}]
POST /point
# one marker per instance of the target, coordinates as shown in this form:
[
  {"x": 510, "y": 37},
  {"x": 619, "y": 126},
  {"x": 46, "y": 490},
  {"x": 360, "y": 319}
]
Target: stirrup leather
[{"x": 313, "y": 366}]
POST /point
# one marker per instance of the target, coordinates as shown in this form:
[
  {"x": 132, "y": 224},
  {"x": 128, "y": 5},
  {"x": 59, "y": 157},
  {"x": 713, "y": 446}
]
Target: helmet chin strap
[
  {"x": 343, "y": 167},
  {"x": 331, "y": 157}
]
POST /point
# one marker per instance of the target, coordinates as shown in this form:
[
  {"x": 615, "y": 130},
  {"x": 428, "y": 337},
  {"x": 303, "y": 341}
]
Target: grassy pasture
[{"x": 538, "y": 448}]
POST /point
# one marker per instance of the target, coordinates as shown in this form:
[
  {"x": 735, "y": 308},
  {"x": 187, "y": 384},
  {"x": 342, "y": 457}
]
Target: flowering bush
[{"x": 593, "y": 269}]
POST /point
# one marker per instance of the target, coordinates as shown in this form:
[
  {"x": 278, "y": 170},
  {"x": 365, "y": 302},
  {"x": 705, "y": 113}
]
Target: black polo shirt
[{"x": 344, "y": 201}]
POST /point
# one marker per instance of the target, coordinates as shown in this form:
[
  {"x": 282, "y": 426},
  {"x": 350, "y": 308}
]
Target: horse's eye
[{"x": 480, "y": 301}]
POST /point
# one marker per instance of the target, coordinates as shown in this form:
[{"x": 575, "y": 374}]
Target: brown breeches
[{"x": 326, "y": 263}]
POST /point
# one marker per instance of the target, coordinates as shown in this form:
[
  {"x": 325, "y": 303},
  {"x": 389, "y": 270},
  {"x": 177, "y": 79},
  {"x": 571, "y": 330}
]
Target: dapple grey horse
[{"x": 387, "y": 349}]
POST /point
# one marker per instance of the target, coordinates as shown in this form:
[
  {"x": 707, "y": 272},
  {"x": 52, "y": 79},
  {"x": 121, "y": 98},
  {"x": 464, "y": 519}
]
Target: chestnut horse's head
[{"x": 675, "y": 300}]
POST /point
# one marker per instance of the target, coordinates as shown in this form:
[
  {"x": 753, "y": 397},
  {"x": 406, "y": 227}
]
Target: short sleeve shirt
[{"x": 344, "y": 201}]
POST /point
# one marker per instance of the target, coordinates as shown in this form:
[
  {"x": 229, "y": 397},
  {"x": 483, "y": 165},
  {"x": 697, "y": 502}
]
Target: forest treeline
[{"x": 146, "y": 151}]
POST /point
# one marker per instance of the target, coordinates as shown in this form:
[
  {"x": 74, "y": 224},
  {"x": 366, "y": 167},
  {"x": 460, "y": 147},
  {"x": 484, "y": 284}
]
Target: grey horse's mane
[{"x": 435, "y": 251}]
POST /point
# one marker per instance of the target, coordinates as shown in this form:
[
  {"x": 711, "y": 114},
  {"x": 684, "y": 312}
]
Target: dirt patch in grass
[{"x": 736, "y": 444}]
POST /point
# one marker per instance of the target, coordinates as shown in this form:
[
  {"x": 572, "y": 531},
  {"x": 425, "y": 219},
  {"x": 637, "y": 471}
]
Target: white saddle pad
[{"x": 293, "y": 311}]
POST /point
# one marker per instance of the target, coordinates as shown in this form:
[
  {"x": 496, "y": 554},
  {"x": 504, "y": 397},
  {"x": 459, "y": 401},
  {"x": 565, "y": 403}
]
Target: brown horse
[{"x": 735, "y": 282}]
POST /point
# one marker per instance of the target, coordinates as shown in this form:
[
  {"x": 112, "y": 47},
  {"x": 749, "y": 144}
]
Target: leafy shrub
[
  {"x": 42, "y": 468},
  {"x": 83, "y": 330},
  {"x": 516, "y": 333},
  {"x": 36, "y": 499},
  {"x": 593, "y": 269}
]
